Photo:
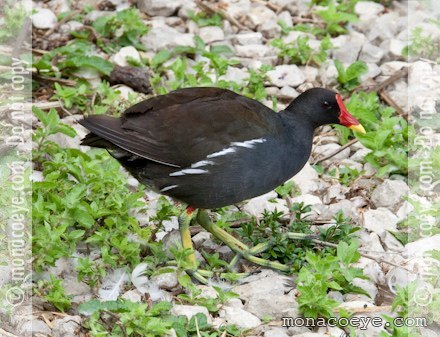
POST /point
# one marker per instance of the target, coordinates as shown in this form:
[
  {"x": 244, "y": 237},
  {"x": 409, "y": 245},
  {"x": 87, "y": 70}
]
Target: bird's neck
[{"x": 298, "y": 138}]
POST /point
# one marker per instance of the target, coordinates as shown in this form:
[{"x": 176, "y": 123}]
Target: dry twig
[
  {"x": 208, "y": 8},
  {"x": 342, "y": 148}
]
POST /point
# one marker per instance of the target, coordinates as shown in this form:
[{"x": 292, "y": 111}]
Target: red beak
[{"x": 346, "y": 119}]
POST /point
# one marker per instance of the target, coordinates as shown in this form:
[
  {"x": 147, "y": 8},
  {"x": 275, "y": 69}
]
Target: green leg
[
  {"x": 236, "y": 245},
  {"x": 185, "y": 234}
]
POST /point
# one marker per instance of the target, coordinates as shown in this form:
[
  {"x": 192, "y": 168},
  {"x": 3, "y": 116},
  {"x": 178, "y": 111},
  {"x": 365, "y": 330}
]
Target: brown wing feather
[{"x": 158, "y": 128}]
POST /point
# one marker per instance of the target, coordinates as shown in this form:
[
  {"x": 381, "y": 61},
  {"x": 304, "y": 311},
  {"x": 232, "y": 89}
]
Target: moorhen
[{"x": 210, "y": 147}]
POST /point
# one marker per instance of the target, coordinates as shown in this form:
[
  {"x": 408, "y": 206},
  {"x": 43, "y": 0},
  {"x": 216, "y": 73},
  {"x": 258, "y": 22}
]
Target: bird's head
[{"x": 322, "y": 106}]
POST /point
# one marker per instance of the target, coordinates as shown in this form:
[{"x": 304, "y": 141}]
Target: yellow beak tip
[{"x": 358, "y": 128}]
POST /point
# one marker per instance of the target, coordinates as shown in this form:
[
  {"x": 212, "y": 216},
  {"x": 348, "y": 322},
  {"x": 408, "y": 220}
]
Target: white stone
[
  {"x": 234, "y": 74},
  {"x": 68, "y": 326},
  {"x": 44, "y": 18},
  {"x": 389, "y": 68},
  {"x": 120, "y": 58},
  {"x": 294, "y": 35},
  {"x": 270, "y": 29},
  {"x": 201, "y": 237},
  {"x": 368, "y": 8},
  {"x": 283, "y": 75},
  {"x": 334, "y": 193},
  {"x": 393, "y": 47},
  {"x": 261, "y": 14},
  {"x": 390, "y": 194},
  {"x": 288, "y": 92},
  {"x": 391, "y": 243},
  {"x": 286, "y": 17},
  {"x": 165, "y": 280},
  {"x": 159, "y": 7},
  {"x": 350, "y": 51},
  {"x": 238, "y": 8},
  {"x": 276, "y": 332},
  {"x": 274, "y": 306},
  {"x": 360, "y": 154},
  {"x": 133, "y": 296},
  {"x": 366, "y": 285},
  {"x": 346, "y": 206},
  {"x": 239, "y": 317},
  {"x": 307, "y": 199},
  {"x": 249, "y": 38},
  {"x": 190, "y": 310},
  {"x": 252, "y": 50},
  {"x": 385, "y": 27},
  {"x": 326, "y": 149},
  {"x": 34, "y": 327},
  {"x": 306, "y": 179},
  {"x": 310, "y": 73},
  {"x": 419, "y": 247},
  {"x": 269, "y": 201},
  {"x": 370, "y": 53},
  {"x": 373, "y": 71},
  {"x": 164, "y": 37},
  {"x": 267, "y": 282},
  {"x": 339, "y": 41},
  {"x": 211, "y": 34},
  {"x": 371, "y": 269},
  {"x": 380, "y": 220},
  {"x": 234, "y": 303},
  {"x": 328, "y": 73},
  {"x": 207, "y": 291}
]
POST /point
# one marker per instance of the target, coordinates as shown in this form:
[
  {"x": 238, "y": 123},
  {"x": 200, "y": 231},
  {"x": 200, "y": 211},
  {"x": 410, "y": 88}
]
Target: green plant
[
  {"x": 299, "y": 52},
  {"x": 125, "y": 28},
  {"x": 53, "y": 291},
  {"x": 324, "y": 273},
  {"x": 83, "y": 198},
  {"x": 67, "y": 59},
  {"x": 203, "y": 20},
  {"x": 387, "y": 134},
  {"x": 335, "y": 17},
  {"x": 350, "y": 78},
  {"x": 13, "y": 20},
  {"x": 422, "y": 46}
]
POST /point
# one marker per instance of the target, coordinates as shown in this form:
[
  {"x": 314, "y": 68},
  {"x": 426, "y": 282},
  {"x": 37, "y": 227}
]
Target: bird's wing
[{"x": 187, "y": 125}]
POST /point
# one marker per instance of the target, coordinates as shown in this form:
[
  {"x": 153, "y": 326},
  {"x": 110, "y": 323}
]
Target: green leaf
[
  {"x": 347, "y": 253},
  {"x": 160, "y": 57},
  {"x": 94, "y": 62}
]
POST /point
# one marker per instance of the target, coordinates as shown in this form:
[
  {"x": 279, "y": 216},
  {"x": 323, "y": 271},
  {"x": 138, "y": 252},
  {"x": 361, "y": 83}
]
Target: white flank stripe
[
  {"x": 202, "y": 163},
  {"x": 188, "y": 171},
  {"x": 249, "y": 143},
  {"x": 221, "y": 153},
  {"x": 167, "y": 188}
]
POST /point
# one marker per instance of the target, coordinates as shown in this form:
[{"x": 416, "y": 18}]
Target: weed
[
  {"x": 335, "y": 17},
  {"x": 422, "y": 46},
  {"x": 299, "y": 52},
  {"x": 125, "y": 28},
  {"x": 324, "y": 273},
  {"x": 350, "y": 78},
  {"x": 13, "y": 20},
  {"x": 387, "y": 134},
  {"x": 53, "y": 291},
  {"x": 203, "y": 20}
]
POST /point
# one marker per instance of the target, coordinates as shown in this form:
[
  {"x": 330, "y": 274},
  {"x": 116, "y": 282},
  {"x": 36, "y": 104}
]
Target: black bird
[{"x": 211, "y": 147}]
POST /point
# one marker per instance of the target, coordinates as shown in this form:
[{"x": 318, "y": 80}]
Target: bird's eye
[{"x": 326, "y": 104}]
